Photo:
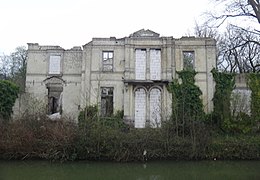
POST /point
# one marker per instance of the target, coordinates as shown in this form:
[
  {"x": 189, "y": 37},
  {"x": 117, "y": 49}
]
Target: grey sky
[{"x": 71, "y": 23}]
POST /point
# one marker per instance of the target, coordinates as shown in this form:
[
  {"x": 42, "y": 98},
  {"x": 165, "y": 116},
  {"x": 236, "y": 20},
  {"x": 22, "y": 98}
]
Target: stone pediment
[
  {"x": 53, "y": 81},
  {"x": 145, "y": 33}
]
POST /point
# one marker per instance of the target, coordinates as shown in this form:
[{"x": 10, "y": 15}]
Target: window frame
[
  {"x": 104, "y": 59},
  {"x": 190, "y": 66},
  {"x": 53, "y": 73},
  {"x": 141, "y": 75},
  {"x": 106, "y": 96},
  {"x": 159, "y": 70}
]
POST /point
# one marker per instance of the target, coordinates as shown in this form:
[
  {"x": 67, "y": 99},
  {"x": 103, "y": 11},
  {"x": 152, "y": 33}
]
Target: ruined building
[{"x": 129, "y": 74}]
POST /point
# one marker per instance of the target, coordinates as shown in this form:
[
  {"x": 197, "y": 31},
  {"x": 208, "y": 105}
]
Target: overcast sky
[{"x": 69, "y": 23}]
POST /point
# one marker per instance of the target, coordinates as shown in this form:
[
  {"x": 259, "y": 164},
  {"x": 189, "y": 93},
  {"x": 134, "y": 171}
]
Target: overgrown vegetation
[
  {"x": 188, "y": 116},
  {"x": 190, "y": 134},
  {"x": 224, "y": 85},
  {"x": 254, "y": 85},
  {"x": 8, "y": 94},
  {"x": 65, "y": 141},
  {"x": 30, "y": 138},
  {"x": 235, "y": 147},
  {"x": 236, "y": 122},
  {"x": 13, "y": 67}
]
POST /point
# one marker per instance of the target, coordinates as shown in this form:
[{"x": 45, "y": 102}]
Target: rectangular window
[
  {"x": 140, "y": 64},
  {"x": 108, "y": 60},
  {"x": 55, "y": 98},
  {"x": 54, "y": 64},
  {"x": 155, "y": 64},
  {"x": 188, "y": 60},
  {"x": 107, "y": 101}
]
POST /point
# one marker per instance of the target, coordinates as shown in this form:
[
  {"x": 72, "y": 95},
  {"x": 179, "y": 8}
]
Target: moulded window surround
[
  {"x": 107, "y": 94},
  {"x": 155, "y": 64},
  {"x": 140, "y": 107},
  {"x": 140, "y": 64},
  {"x": 147, "y": 107},
  {"x": 55, "y": 98},
  {"x": 107, "y": 60},
  {"x": 155, "y": 107},
  {"x": 54, "y": 65},
  {"x": 188, "y": 60}
]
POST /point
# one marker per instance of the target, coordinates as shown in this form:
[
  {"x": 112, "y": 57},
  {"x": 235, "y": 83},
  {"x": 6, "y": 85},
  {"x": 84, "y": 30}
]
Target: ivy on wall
[
  {"x": 222, "y": 116},
  {"x": 254, "y": 85},
  {"x": 8, "y": 94},
  {"x": 225, "y": 84},
  {"x": 187, "y": 107}
]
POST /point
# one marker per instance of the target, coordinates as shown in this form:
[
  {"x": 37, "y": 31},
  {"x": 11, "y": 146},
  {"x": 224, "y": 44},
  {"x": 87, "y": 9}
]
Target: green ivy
[
  {"x": 89, "y": 116},
  {"x": 225, "y": 84},
  {"x": 222, "y": 116},
  {"x": 254, "y": 85},
  {"x": 8, "y": 94},
  {"x": 187, "y": 107}
]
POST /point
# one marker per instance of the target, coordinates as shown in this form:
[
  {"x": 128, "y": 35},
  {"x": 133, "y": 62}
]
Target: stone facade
[
  {"x": 129, "y": 74},
  {"x": 241, "y": 96}
]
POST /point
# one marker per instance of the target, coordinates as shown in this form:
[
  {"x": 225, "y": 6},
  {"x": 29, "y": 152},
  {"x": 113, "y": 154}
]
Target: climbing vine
[
  {"x": 225, "y": 83},
  {"x": 8, "y": 94},
  {"x": 187, "y": 107},
  {"x": 254, "y": 85}
]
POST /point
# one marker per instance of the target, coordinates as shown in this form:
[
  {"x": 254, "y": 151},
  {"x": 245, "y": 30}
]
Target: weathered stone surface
[{"x": 144, "y": 60}]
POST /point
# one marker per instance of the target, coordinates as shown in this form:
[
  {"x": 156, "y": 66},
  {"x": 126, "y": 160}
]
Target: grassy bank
[{"x": 66, "y": 141}]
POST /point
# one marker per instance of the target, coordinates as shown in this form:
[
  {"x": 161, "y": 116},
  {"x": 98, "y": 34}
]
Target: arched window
[
  {"x": 140, "y": 108},
  {"x": 155, "y": 107}
]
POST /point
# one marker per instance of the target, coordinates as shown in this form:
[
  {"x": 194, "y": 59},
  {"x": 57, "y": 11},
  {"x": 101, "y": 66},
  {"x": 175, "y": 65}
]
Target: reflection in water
[{"x": 14, "y": 170}]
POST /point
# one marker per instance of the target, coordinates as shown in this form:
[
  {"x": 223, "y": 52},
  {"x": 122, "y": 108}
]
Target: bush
[
  {"x": 65, "y": 141},
  {"x": 241, "y": 147},
  {"x": 8, "y": 94},
  {"x": 44, "y": 139},
  {"x": 187, "y": 106}
]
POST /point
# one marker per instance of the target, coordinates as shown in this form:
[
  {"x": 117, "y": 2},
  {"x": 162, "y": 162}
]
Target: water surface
[{"x": 41, "y": 170}]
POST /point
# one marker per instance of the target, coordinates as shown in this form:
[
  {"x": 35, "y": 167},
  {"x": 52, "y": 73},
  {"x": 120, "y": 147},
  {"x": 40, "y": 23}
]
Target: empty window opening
[
  {"x": 107, "y": 101},
  {"x": 53, "y": 105},
  {"x": 108, "y": 60},
  {"x": 54, "y": 99},
  {"x": 188, "y": 60}
]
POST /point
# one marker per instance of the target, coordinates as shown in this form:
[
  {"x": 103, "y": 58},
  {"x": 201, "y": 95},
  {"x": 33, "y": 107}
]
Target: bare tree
[
  {"x": 4, "y": 67},
  {"x": 19, "y": 60},
  {"x": 238, "y": 47},
  {"x": 238, "y": 51},
  {"x": 235, "y": 9},
  {"x": 256, "y": 8},
  {"x": 205, "y": 31},
  {"x": 13, "y": 66}
]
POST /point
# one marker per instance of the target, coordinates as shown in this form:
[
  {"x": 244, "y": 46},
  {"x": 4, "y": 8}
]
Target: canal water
[{"x": 41, "y": 170}]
